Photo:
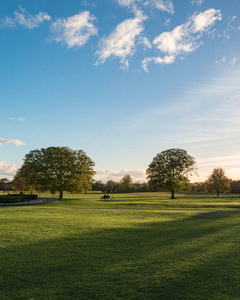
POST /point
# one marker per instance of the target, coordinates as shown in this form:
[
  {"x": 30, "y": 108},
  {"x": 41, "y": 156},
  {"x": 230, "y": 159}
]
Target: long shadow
[
  {"x": 163, "y": 204},
  {"x": 195, "y": 257}
]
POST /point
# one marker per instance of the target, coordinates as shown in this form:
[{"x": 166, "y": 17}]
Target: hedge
[{"x": 14, "y": 198}]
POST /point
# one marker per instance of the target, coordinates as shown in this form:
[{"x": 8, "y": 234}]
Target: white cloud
[
  {"x": 121, "y": 42},
  {"x": 6, "y": 169},
  {"x": 105, "y": 175},
  {"x": 204, "y": 20},
  {"x": 14, "y": 142},
  {"x": 74, "y": 31},
  {"x": 22, "y": 18},
  {"x": 157, "y": 60},
  {"x": 175, "y": 41},
  {"x": 183, "y": 38}
]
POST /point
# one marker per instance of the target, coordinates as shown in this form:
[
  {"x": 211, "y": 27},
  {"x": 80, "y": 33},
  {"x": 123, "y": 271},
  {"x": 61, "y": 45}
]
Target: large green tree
[
  {"x": 169, "y": 170},
  {"x": 55, "y": 169},
  {"x": 218, "y": 182}
]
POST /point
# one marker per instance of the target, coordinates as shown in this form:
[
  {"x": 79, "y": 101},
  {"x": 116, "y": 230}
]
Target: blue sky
[{"x": 123, "y": 80}]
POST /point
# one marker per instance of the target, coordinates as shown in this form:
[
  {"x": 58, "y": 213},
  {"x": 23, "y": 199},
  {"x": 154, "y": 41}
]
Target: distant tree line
[
  {"x": 111, "y": 187},
  {"x": 217, "y": 182},
  {"x": 126, "y": 185},
  {"x": 5, "y": 184}
]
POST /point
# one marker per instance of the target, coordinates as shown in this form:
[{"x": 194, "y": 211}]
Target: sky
[{"x": 122, "y": 80}]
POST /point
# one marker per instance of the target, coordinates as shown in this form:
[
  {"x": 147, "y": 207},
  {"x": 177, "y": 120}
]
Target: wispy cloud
[
  {"x": 231, "y": 164},
  {"x": 89, "y": 3},
  {"x": 203, "y": 118},
  {"x": 233, "y": 61},
  {"x": 157, "y": 60},
  {"x": 205, "y": 113},
  {"x": 127, "y": 3},
  {"x": 121, "y": 43},
  {"x": 74, "y": 31},
  {"x": 198, "y": 2},
  {"x": 18, "y": 119},
  {"x": 224, "y": 60},
  {"x": 14, "y": 142},
  {"x": 145, "y": 42},
  {"x": 163, "y": 5},
  {"x": 167, "y": 23},
  {"x": 220, "y": 159},
  {"x": 232, "y": 25},
  {"x": 6, "y": 169},
  {"x": 24, "y": 19}
]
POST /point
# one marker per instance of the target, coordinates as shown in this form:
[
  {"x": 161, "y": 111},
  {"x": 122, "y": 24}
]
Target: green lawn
[{"x": 59, "y": 251}]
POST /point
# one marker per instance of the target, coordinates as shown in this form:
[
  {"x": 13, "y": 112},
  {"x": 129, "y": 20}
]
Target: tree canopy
[
  {"x": 169, "y": 170},
  {"x": 4, "y": 183},
  {"x": 126, "y": 184},
  {"x": 55, "y": 169},
  {"x": 235, "y": 186},
  {"x": 218, "y": 182}
]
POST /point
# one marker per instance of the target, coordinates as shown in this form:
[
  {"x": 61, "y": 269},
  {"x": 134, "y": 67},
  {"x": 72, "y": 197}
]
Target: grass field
[{"x": 62, "y": 251}]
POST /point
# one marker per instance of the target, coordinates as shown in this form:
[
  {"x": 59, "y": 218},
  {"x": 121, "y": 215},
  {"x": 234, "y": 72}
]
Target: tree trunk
[
  {"x": 60, "y": 195},
  {"x": 173, "y": 195},
  {"x": 218, "y": 193}
]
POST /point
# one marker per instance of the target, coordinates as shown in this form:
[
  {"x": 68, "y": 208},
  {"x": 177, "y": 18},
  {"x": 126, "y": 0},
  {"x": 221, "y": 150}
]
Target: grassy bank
[
  {"x": 151, "y": 200},
  {"x": 57, "y": 251}
]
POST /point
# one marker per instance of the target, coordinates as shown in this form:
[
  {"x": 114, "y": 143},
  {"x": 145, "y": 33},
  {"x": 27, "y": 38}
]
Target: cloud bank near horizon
[
  {"x": 106, "y": 175},
  {"x": 10, "y": 170}
]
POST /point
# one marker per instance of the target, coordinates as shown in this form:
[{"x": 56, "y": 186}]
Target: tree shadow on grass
[
  {"x": 163, "y": 204},
  {"x": 193, "y": 257}
]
